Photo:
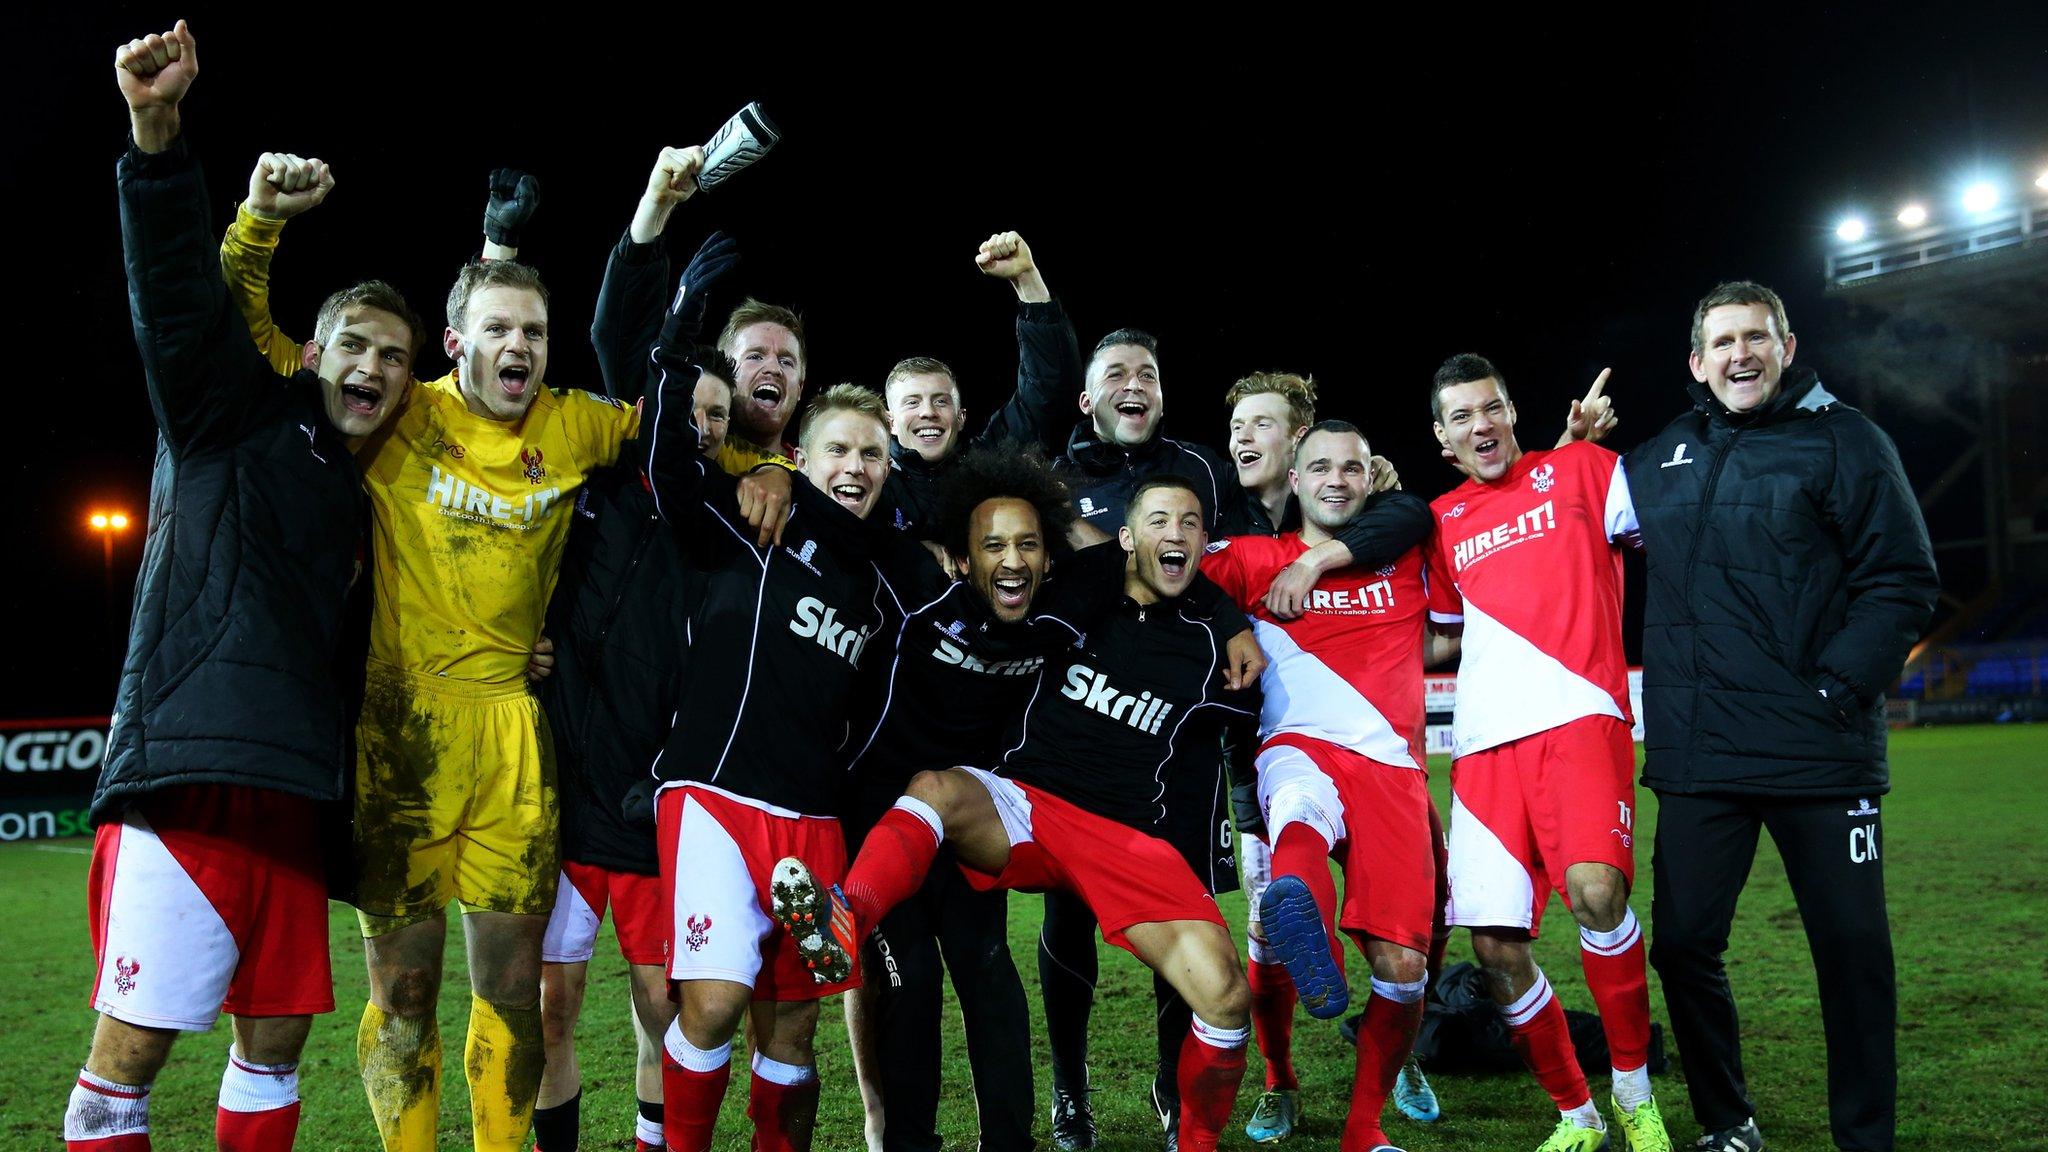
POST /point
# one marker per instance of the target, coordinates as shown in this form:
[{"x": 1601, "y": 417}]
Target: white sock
[
  {"x": 776, "y": 1072},
  {"x": 1587, "y": 1116},
  {"x": 1224, "y": 1038},
  {"x": 926, "y": 813},
  {"x": 1632, "y": 1087},
  {"x": 249, "y": 1087},
  {"x": 689, "y": 1055},
  {"x": 1408, "y": 993},
  {"x": 1614, "y": 941},
  {"x": 100, "y": 1108}
]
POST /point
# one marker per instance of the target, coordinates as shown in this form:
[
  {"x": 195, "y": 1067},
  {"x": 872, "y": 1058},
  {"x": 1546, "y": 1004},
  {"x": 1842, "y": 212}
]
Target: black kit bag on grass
[{"x": 1462, "y": 1031}]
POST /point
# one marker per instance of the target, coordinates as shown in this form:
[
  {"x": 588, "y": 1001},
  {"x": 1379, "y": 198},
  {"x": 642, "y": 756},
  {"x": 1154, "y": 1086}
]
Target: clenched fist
[
  {"x": 282, "y": 185},
  {"x": 1006, "y": 256}
]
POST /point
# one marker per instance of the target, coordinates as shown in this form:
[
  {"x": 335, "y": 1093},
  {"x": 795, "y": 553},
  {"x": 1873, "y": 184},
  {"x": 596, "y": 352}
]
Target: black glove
[
  {"x": 693, "y": 292},
  {"x": 637, "y": 805},
  {"x": 515, "y": 197}
]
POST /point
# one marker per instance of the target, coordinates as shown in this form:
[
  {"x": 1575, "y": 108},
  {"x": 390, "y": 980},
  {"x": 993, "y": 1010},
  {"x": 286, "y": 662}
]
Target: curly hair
[{"x": 1009, "y": 469}]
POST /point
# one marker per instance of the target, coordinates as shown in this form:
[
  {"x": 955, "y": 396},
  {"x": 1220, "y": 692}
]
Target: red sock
[
  {"x": 1536, "y": 1022},
  {"x": 1301, "y": 851},
  {"x": 1273, "y": 1001},
  {"x": 1621, "y": 987},
  {"x": 891, "y": 864},
  {"x": 690, "y": 1100},
  {"x": 271, "y": 1131},
  {"x": 1384, "y": 1038},
  {"x": 783, "y": 1114},
  {"x": 1211, "y": 1069}
]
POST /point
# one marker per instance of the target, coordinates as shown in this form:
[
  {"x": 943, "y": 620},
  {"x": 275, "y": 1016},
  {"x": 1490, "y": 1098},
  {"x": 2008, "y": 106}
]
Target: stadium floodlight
[
  {"x": 2041, "y": 181},
  {"x": 1980, "y": 197},
  {"x": 1851, "y": 230},
  {"x": 118, "y": 521},
  {"x": 1913, "y": 215},
  {"x": 99, "y": 522}
]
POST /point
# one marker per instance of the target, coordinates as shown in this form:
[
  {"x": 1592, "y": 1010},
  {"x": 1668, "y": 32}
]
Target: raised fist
[
  {"x": 674, "y": 178},
  {"x": 1005, "y": 256},
  {"x": 282, "y": 185},
  {"x": 155, "y": 71},
  {"x": 515, "y": 197}
]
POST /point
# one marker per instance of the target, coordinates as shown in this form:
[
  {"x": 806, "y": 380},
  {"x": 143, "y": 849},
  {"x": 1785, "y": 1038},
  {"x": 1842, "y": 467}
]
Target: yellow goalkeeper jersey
[{"x": 470, "y": 518}]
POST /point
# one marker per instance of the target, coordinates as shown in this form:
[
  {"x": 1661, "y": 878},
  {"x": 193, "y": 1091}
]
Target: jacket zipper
[{"x": 1692, "y": 559}]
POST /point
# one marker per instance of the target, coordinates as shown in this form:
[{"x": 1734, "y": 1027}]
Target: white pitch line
[{"x": 61, "y": 848}]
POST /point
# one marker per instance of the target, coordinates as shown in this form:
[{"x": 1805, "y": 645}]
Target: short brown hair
[
  {"x": 919, "y": 366},
  {"x": 482, "y": 274},
  {"x": 1298, "y": 391},
  {"x": 842, "y": 398},
  {"x": 369, "y": 294},
  {"x": 752, "y": 312},
  {"x": 1737, "y": 292}
]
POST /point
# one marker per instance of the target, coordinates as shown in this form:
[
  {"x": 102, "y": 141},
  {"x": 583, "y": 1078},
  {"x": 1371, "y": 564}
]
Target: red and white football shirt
[
  {"x": 1349, "y": 670},
  {"x": 1531, "y": 564}
]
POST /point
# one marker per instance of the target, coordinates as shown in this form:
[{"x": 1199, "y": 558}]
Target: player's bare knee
[
  {"x": 1599, "y": 896},
  {"x": 272, "y": 1039},
  {"x": 709, "y": 1011},
  {"x": 1399, "y": 965},
  {"x": 128, "y": 1053},
  {"x": 941, "y": 790},
  {"x": 409, "y": 989}
]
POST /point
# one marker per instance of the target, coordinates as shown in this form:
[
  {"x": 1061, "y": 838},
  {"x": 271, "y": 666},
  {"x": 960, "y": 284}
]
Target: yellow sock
[
  {"x": 504, "y": 1060},
  {"x": 401, "y": 1061}
]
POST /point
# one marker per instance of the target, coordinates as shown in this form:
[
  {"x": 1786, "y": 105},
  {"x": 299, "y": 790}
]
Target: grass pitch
[{"x": 1968, "y": 885}]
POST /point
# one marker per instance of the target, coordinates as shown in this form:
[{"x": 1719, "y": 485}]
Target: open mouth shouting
[
  {"x": 1011, "y": 591},
  {"x": 767, "y": 394},
  {"x": 853, "y": 494},
  {"x": 1174, "y": 566},
  {"x": 513, "y": 379},
  {"x": 361, "y": 398}
]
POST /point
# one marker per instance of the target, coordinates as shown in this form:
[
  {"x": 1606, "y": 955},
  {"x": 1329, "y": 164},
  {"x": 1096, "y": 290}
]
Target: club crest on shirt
[
  {"x": 536, "y": 472},
  {"x": 700, "y": 932},
  {"x": 1456, "y": 511},
  {"x": 1384, "y": 570},
  {"x": 124, "y": 974},
  {"x": 1543, "y": 477}
]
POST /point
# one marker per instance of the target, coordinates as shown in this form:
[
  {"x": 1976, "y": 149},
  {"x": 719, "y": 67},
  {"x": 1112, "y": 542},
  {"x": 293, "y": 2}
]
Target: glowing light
[
  {"x": 1912, "y": 215},
  {"x": 2041, "y": 181},
  {"x": 99, "y": 521},
  {"x": 1850, "y": 230},
  {"x": 119, "y": 521},
  {"x": 1980, "y": 197}
]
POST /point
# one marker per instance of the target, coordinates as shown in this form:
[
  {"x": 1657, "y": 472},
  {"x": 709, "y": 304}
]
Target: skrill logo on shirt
[
  {"x": 1527, "y": 526},
  {"x": 1096, "y": 693},
  {"x": 820, "y": 623},
  {"x": 474, "y": 502}
]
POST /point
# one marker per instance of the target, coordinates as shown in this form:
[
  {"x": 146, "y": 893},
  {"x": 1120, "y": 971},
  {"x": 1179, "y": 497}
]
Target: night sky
[{"x": 1356, "y": 202}]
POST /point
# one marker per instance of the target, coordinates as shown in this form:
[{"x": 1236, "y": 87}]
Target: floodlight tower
[{"x": 1975, "y": 263}]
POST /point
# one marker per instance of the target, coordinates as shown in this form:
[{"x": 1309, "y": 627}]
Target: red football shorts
[
  {"x": 718, "y": 851},
  {"x": 638, "y": 915},
  {"x": 1524, "y": 811}
]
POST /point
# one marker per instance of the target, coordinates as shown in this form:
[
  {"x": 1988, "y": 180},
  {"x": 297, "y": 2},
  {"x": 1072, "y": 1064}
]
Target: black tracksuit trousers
[
  {"x": 1705, "y": 846},
  {"x": 1067, "y": 969},
  {"x": 902, "y": 963}
]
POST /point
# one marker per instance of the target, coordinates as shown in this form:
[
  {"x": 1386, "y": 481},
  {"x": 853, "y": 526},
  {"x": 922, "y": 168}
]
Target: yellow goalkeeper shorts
[{"x": 455, "y": 799}]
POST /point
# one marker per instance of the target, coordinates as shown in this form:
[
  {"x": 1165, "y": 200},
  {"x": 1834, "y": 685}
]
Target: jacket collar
[
  {"x": 1098, "y": 457},
  {"x": 907, "y": 460},
  {"x": 1799, "y": 391}
]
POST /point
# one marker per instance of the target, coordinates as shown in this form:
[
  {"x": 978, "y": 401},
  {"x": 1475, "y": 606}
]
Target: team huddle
[{"x": 798, "y": 684}]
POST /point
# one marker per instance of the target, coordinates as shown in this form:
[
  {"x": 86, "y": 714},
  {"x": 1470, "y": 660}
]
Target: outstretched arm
[
  {"x": 281, "y": 186},
  {"x": 201, "y": 371},
  {"x": 1049, "y": 369}
]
